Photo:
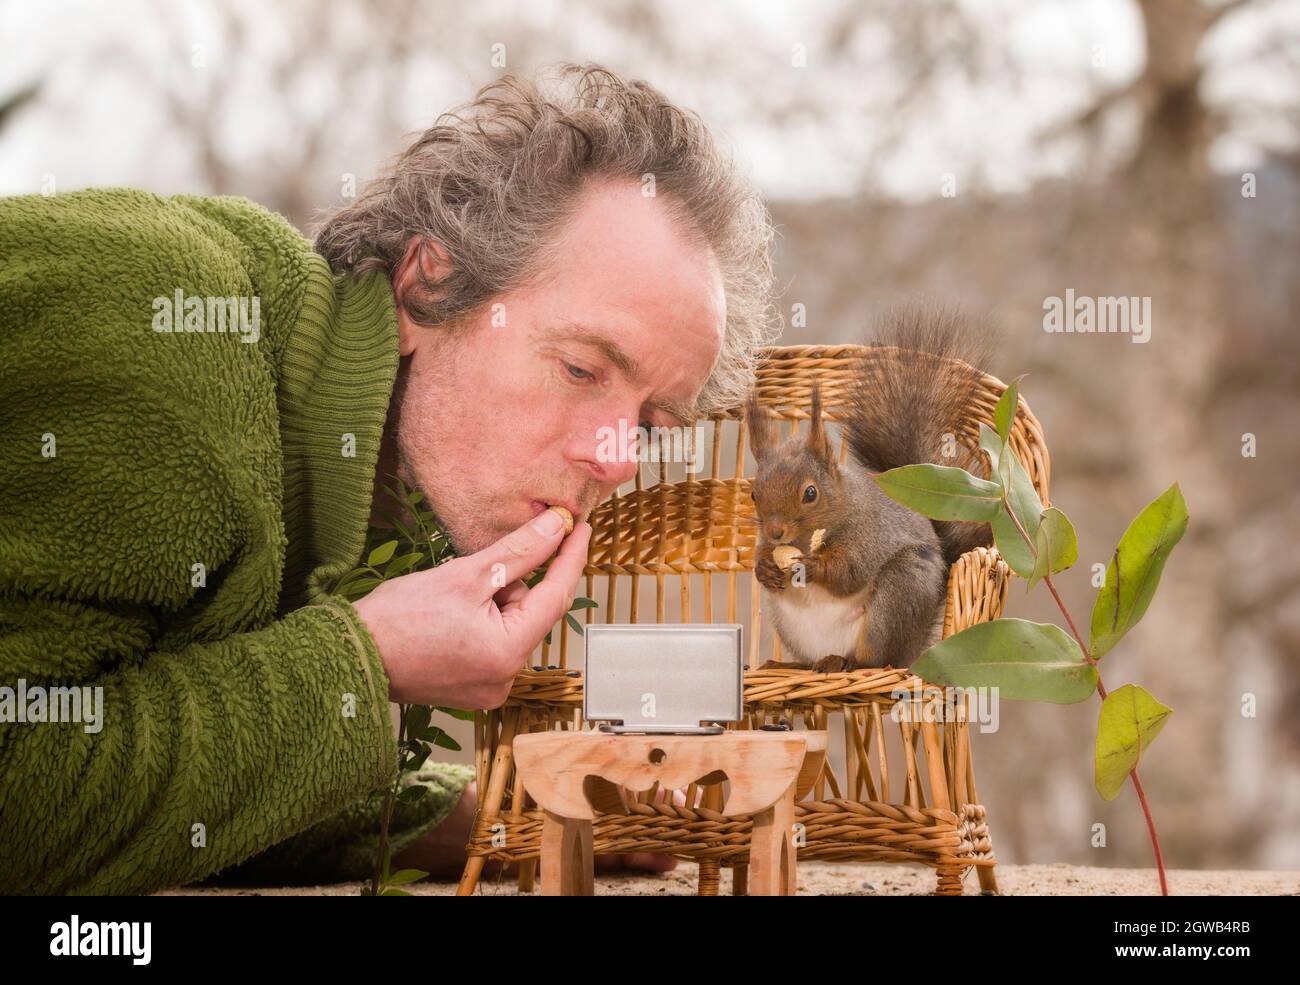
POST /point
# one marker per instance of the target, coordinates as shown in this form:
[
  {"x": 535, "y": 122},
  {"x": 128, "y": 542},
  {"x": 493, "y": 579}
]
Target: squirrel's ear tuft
[
  {"x": 761, "y": 438},
  {"x": 817, "y": 442}
]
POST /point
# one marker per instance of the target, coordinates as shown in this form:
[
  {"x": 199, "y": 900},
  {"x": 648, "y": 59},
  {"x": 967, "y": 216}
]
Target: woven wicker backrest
[{"x": 690, "y": 535}]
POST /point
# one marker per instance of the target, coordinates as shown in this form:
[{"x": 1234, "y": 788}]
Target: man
[{"x": 180, "y": 497}]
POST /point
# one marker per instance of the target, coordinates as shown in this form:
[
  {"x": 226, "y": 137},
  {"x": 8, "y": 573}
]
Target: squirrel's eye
[{"x": 810, "y": 494}]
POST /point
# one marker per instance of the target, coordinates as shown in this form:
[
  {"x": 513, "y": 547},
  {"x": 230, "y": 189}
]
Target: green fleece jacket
[{"x": 191, "y": 407}]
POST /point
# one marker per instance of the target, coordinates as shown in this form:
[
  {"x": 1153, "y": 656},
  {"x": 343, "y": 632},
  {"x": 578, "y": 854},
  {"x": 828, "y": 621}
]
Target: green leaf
[
  {"x": 418, "y": 758},
  {"x": 1024, "y": 501},
  {"x": 402, "y": 876},
  {"x": 461, "y": 713},
  {"x": 584, "y": 603},
  {"x": 1058, "y": 547},
  {"x": 1135, "y": 568},
  {"x": 1005, "y": 463},
  {"x": 1129, "y": 722},
  {"x": 445, "y": 741},
  {"x": 412, "y": 793},
  {"x": 1026, "y": 661},
  {"x": 573, "y": 623},
  {"x": 942, "y": 492},
  {"x": 417, "y": 719},
  {"x": 356, "y": 583},
  {"x": 382, "y": 553},
  {"x": 399, "y": 526},
  {"x": 395, "y": 892},
  {"x": 401, "y": 565},
  {"x": 1005, "y": 411}
]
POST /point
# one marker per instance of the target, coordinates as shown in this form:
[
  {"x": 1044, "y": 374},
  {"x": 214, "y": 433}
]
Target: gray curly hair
[{"x": 495, "y": 181}]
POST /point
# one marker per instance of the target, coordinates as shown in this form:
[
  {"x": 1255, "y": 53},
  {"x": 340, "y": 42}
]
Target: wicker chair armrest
[{"x": 977, "y": 589}]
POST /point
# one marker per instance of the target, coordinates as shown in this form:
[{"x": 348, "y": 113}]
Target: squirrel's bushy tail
[{"x": 907, "y": 406}]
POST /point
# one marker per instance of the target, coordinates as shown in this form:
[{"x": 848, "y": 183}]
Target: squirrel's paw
[
  {"x": 811, "y": 565},
  {"x": 834, "y": 664},
  {"x": 770, "y": 575}
]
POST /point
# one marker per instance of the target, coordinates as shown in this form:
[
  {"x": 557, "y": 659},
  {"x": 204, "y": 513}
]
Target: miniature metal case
[{"x": 664, "y": 678}]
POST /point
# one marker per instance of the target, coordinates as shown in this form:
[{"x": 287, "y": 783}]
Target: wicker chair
[{"x": 702, "y": 527}]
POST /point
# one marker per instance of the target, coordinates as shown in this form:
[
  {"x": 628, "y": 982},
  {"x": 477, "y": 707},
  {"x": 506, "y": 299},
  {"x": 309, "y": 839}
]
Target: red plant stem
[
  {"x": 1101, "y": 689},
  {"x": 1151, "y": 827},
  {"x": 1051, "y": 587}
]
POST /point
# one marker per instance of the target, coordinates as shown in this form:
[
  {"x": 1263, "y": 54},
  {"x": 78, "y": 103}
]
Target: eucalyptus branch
[
  {"x": 1033, "y": 661},
  {"x": 1051, "y": 586},
  {"x": 1101, "y": 690}
]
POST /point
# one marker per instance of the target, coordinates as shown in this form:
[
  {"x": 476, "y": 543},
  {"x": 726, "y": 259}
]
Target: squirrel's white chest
[{"x": 812, "y": 623}]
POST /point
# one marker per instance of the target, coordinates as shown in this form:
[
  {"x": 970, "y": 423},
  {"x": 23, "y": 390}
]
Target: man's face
[{"x": 512, "y": 413}]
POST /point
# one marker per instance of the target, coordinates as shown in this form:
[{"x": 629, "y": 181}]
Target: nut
[
  {"x": 566, "y": 516},
  {"x": 786, "y": 554}
]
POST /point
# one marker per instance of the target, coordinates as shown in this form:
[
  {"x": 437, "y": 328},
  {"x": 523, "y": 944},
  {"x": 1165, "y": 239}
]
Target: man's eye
[{"x": 578, "y": 373}]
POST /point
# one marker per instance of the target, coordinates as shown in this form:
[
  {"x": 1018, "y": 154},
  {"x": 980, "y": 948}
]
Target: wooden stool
[{"x": 571, "y": 774}]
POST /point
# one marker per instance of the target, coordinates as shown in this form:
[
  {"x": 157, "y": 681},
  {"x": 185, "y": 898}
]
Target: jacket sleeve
[
  {"x": 344, "y": 846},
  {"x": 210, "y": 729},
  {"x": 191, "y": 759}
]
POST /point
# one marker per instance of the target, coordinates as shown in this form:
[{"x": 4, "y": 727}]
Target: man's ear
[
  {"x": 425, "y": 255},
  {"x": 817, "y": 442},
  {"x": 761, "y": 436}
]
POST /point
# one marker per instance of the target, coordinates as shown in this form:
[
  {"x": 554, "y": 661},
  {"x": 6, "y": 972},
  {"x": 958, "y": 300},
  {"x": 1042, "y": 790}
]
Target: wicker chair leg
[
  {"x": 950, "y": 880},
  {"x": 710, "y": 877},
  {"x": 987, "y": 873},
  {"x": 710, "y": 869},
  {"x": 988, "y": 880},
  {"x": 490, "y": 804}
]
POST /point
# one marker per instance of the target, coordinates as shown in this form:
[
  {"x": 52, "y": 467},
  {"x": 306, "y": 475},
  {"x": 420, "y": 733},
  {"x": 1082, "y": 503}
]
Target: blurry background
[{"x": 991, "y": 152}]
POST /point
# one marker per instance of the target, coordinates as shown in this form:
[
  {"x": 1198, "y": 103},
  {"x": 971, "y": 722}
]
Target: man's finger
[
  {"x": 521, "y": 550},
  {"x": 551, "y": 597}
]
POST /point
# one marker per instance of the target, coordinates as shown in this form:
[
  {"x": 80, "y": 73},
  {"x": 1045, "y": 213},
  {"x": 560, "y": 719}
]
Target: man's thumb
[{"x": 521, "y": 550}]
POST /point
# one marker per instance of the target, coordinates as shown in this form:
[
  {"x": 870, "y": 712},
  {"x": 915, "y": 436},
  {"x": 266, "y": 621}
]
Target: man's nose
[
  {"x": 616, "y": 473},
  {"x": 615, "y": 460}
]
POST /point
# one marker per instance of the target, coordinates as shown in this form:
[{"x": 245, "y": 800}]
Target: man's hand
[{"x": 460, "y": 633}]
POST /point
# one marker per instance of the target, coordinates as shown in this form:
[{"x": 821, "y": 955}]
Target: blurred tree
[{"x": 11, "y": 104}]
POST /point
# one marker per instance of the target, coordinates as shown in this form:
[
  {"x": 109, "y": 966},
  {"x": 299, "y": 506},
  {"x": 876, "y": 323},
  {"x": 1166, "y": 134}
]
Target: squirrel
[{"x": 853, "y": 578}]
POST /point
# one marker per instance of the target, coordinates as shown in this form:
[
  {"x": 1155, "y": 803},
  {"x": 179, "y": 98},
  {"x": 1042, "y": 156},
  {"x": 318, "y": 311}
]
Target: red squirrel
[{"x": 868, "y": 586}]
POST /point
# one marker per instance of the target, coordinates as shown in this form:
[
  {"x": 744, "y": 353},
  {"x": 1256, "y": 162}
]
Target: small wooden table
[{"x": 571, "y": 774}]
